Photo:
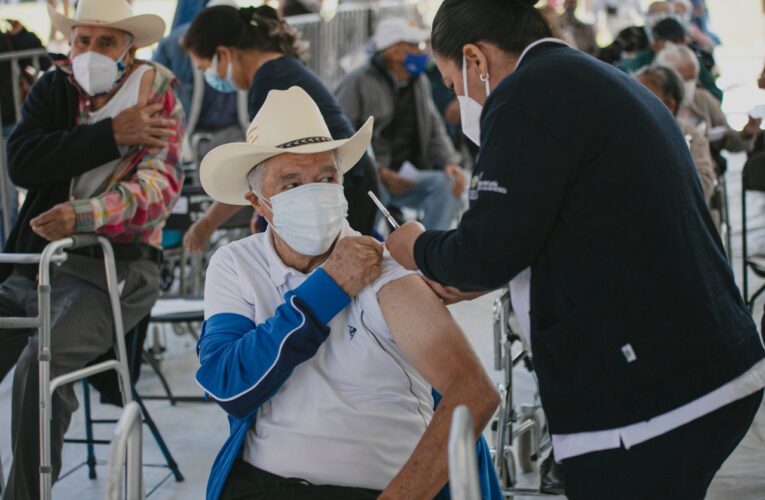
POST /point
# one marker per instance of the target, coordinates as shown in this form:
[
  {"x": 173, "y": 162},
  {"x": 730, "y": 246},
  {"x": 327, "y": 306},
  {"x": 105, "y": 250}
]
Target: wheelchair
[{"x": 520, "y": 428}]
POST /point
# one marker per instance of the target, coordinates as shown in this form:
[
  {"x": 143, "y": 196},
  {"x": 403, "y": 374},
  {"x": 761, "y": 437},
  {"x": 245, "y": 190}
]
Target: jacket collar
[{"x": 547, "y": 42}]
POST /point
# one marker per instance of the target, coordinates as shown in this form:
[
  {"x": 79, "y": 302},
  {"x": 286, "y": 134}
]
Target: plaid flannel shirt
[{"x": 141, "y": 193}]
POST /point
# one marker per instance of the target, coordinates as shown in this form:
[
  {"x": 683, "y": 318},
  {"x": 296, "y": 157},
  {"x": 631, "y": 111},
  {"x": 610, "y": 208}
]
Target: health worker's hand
[
  {"x": 450, "y": 295},
  {"x": 401, "y": 244}
]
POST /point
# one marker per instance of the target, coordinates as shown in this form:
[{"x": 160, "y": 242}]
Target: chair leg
[
  {"x": 151, "y": 360},
  {"x": 750, "y": 302},
  {"x": 89, "y": 430},
  {"x": 171, "y": 463}
]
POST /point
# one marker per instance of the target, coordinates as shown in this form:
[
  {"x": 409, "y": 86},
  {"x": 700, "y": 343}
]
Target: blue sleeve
[{"x": 244, "y": 364}]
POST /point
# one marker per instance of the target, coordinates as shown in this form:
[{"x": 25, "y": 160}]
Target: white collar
[
  {"x": 540, "y": 42},
  {"x": 277, "y": 269}
]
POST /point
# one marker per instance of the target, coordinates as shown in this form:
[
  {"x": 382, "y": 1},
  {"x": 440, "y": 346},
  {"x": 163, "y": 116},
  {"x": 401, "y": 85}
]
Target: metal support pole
[
  {"x": 43, "y": 315},
  {"x": 128, "y": 438},
  {"x": 463, "y": 462},
  {"x": 4, "y": 185}
]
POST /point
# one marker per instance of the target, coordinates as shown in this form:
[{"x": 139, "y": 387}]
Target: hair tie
[{"x": 248, "y": 14}]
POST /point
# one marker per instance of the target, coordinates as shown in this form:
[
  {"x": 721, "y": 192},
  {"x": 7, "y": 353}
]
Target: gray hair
[
  {"x": 678, "y": 56},
  {"x": 258, "y": 172},
  {"x": 669, "y": 81}
]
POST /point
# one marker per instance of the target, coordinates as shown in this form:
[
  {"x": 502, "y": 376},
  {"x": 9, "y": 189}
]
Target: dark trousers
[
  {"x": 246, "y": 482},
  {"x": 678, "y": 465}
]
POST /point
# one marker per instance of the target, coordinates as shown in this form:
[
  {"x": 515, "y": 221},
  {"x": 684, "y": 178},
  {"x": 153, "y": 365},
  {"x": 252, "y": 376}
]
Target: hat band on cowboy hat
[
  {"x": 146, "y": 29},
  {"x": 288, "y": 122}
]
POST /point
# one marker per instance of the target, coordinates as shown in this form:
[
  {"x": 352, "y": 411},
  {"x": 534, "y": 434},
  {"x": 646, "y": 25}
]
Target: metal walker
[
  {"x": 521, "y": 426},
  {"x": 55, "y": 253}
]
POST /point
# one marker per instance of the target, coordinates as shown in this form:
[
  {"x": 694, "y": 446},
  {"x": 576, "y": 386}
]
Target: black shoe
[{"x": 552, "y": 479}]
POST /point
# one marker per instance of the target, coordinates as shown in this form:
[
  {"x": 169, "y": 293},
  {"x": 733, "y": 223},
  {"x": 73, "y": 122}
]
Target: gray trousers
[{"x": 81, "y": 330}]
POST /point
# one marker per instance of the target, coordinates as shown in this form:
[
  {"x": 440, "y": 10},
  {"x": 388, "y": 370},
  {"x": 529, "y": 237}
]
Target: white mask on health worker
[
  {"x": 470, "y": 110},
  {"x": 309, "y": 218}
]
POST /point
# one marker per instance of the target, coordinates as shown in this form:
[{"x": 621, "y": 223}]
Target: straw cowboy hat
[
  {"x": 147, "y": 29},
  {"x": 288, "y": 122}
]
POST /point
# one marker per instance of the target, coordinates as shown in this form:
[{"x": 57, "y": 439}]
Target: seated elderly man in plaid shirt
[{"x": 97, "y": 151}]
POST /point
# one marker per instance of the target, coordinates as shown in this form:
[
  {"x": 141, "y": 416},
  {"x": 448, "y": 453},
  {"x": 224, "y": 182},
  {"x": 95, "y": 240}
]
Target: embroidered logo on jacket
[
  {"x": 351, "y": 331},
  {"x": 477, "y": 184}
]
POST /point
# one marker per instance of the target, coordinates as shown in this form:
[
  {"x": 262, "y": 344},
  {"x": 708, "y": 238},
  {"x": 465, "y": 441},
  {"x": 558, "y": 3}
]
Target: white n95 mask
[
  {"x": 309, "y": 218},
  {"x": 470, "y": 110},
  {"x": 96, "y": 73}
]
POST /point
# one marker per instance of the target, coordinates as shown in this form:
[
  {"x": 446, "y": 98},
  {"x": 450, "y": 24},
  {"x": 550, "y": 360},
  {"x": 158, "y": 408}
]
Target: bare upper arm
[
  {"x": 426, "y": 333},
  {"x": 147, "y": 81}
]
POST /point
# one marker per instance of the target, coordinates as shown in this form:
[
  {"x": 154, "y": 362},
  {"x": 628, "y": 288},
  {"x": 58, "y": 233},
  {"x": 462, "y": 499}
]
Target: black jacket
[
  {"x": 47, "y": 150},
  {"x": 585, "y": 177}
]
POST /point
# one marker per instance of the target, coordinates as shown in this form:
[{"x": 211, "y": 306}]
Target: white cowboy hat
[
  {"x": 288, "y": 122},
  {"x": 147, "y": 29}
]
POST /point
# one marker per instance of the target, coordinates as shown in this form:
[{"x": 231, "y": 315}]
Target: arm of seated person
[
  {"x": 436, "y": 346},
  {"x": 244, "y": 363},
  {"x": 39, "y": 154},
  {"x": 198, "y": 235}
]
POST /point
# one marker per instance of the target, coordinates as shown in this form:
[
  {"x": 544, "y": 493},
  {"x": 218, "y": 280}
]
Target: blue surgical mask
[
  {"x": 224, "y": 85},
  {"x": 416, "y": 65}
]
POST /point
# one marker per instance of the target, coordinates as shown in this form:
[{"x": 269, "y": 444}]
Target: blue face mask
[
  {"x": 416, "y": 65},
  {"x": 224, "y": 85}
]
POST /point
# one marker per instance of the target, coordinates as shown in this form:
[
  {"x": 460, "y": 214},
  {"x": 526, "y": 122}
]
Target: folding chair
[
  {"x": 134, "y": 340},
  {"x": 180, "y": 304},
  {"x": 54, "y": 253},
  {"x": 752, "y": 179},
  {"x": 719, "y": 208},
  {"x": 719, "y": 204},
  {"x": 463, "y": 462}
]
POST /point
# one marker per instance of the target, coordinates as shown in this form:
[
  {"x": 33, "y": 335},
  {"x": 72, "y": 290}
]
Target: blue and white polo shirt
[{"x": 330, "y": 397}]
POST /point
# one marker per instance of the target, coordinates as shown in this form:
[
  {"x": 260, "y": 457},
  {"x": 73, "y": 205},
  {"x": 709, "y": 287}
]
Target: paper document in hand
[
  {"x": 409, "y": 171},
  {"x": 717, "y": 133}
]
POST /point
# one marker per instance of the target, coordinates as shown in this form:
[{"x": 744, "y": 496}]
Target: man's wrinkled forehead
[{"x": 102, "y": 34}]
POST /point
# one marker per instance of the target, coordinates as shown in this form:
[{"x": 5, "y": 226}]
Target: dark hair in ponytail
[
  {"x": 258, "y": 28},
  {"x": 511, "y": 25}
]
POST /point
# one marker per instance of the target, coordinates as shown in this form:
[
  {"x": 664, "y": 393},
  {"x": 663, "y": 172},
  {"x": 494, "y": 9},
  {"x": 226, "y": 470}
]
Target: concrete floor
[{"x": 195, "y": 432}]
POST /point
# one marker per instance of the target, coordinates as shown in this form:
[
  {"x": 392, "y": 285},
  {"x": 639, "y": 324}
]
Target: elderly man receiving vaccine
[{"x": 327, "y": 355}]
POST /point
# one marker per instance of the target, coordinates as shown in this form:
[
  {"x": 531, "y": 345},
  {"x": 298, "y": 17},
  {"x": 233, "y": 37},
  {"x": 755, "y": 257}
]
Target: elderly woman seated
[
  {"x": 667, "y": 85},
  {"x": 700, "y": 108},
  {"x": 325, "y": 353}
]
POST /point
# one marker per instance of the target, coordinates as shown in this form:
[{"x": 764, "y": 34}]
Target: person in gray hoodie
[{"x": 418, "y": 165}]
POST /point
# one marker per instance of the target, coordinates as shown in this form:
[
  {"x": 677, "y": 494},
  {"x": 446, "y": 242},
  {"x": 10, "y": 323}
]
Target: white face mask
[
  {"x": 690, "y": 92},
  {"x": 96, "y": 73},
  {"x": 309, "y": 218},
  {"x": 470, "y": 110}
]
